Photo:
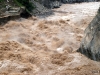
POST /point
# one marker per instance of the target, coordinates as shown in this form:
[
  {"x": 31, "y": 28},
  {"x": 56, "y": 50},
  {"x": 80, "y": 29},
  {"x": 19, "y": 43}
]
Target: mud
[{"x": 47, "y": 46}]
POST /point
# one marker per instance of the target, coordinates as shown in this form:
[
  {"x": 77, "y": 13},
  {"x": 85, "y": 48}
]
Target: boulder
[{"x": 90, "y": 45}]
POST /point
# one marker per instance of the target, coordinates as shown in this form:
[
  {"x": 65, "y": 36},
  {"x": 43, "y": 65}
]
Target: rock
[
  {"x": 90, "y": 45},
  {"x": 40, "y": 9}
]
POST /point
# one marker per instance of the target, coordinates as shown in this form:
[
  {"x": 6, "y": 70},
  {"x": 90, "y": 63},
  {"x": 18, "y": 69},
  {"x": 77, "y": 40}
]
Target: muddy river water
[{"x": 47, "y": 45}]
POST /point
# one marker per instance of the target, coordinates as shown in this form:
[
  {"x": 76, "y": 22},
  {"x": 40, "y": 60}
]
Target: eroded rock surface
[{"x": 90, "y": 45}]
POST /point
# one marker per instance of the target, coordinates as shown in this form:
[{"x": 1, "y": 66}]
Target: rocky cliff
[{"x": 90, "y": 45}]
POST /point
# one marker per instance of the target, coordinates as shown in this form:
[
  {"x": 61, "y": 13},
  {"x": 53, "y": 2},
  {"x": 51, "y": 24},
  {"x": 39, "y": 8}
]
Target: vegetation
[
  {"x": 1, "y": 1},
  {"x": 21, "y": 3},
  {"x": 28, "y": 5}
]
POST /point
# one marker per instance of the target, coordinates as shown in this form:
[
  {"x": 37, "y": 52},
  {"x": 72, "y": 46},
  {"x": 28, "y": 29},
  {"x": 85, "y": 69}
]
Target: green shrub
[
  {"x": 28, "y": 5},
  {"x": 1, "y": 1}
]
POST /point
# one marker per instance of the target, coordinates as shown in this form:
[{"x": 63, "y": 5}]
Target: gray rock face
[
  {"x": 90, "y": 45},
  {"x": 39, "y": 9},
  {"x": 9, "y": 10}
]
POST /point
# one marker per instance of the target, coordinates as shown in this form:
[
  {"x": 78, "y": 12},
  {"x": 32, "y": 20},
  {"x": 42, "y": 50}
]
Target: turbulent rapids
[{"x": 47, "y": 45}]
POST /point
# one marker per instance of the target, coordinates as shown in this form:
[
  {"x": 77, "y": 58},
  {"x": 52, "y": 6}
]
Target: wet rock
[
  {"x": 40, "y": 9},
  {"x": 90, "y": 45},
  {"x": 9, "y": 10}
]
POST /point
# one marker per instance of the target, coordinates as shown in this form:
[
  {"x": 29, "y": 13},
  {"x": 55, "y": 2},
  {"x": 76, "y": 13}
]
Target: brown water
[{"x": 48, "y": 46}]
